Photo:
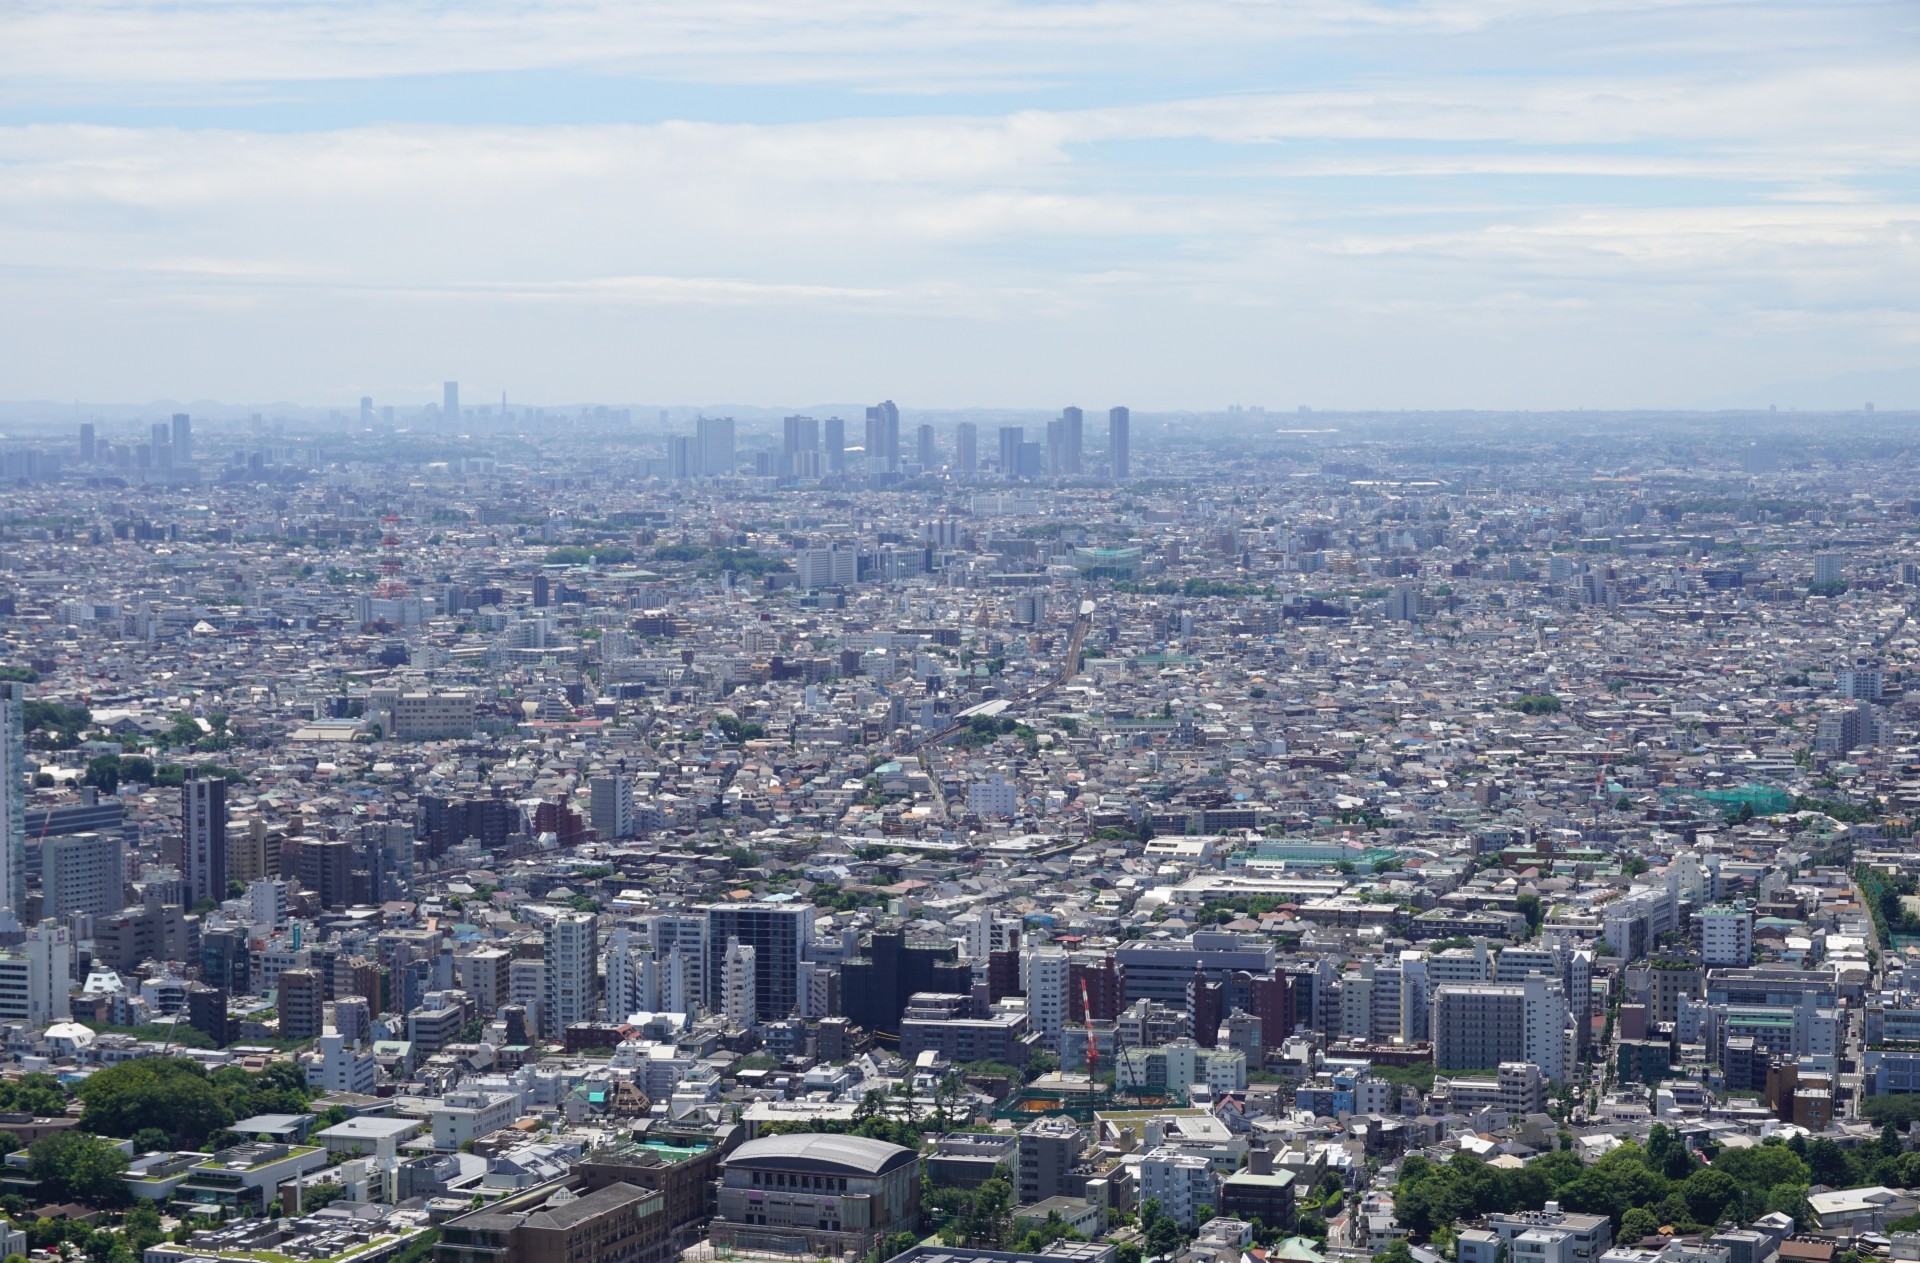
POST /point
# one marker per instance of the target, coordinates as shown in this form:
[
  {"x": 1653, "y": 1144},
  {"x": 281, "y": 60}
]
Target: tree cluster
[
  {"x": 177, "y": 1099},
  {"x": 1640, "y": 1189}
]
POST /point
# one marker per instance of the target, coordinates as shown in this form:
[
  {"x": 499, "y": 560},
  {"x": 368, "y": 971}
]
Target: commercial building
[
  {"x": 822, "y": 1194},
  {"x": 552, "y": 1223}
]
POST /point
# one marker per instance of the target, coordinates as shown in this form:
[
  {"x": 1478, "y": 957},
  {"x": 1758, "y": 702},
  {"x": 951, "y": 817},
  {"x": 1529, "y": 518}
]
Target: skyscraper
[
  {"x": 203, "y": 837},
  {"x": 1119, "y": 456},
  {"x": 13, "y": 806},
  {"x": 1074, "y": 424},
  {"x": 366, "y": 412},
  {"x": 966, "y": 448},
  {"x": 883, "y": 438},
  {"x": 681, "y": 457},
  {"x": 1011, "y": 436},
  {"x": 834, "y": 445},
  {"x": 799, "y": 434},
  {"x": 714, "y": 437},
  {"x": 450, "y": 403},
  {"x": 86, "y": 443},
  {"x": 927, "y": 455},
  {"x": 182, "y": 438}
]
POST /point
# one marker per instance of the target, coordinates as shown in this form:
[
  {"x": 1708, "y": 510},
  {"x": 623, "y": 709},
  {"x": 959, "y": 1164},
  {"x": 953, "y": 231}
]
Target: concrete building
[
  {"x": 1478, "y": 1027},
  {"x": 203, "y": 838},
  {"x": 1182, "y": 1182},
  {"x": 1725, "y": 935},
  {"x": 781, "y": 936},
  {"x": 821, "y": 1194},
  {"x": 1049, "y": 1149},
  {"x": 84, "y": 872},
  {"x": 611, "y": 806},
  {"x": 571, "y": 957},
  {"x": 36, "y": 977},
  {"x": 739, "y": 974},
  {"x": 427, "y": 715}
]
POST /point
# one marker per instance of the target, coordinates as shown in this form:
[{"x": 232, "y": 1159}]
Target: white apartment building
[
  {"x": 570, "y": 955},
  {"x": 1181, "y": 1182},
  {"x": 740, "y": 985},
  {"x": 1047, "y": 976}
]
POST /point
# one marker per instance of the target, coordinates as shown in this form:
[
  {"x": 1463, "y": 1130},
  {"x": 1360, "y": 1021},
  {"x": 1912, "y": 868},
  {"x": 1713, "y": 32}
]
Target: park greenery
[{"x": 1643, "y": 1189}]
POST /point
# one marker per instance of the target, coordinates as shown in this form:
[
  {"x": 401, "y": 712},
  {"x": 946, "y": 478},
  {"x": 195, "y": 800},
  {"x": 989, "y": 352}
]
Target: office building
[
  {"x": 571, "y": 955},
  {"x": 714, "y": 438},
  {"x": 450, "y": 403},
  {"x": 926, "y": 453},
  {"x": 88, "y": 445},
  {"x": 1072, "y": 437},
  {"x": 203, "y": 837},
  {"x": 800, "y": 448},
  {"x": 781, "y": 936},
  {"x": 1119, "y": 443},
  {"x": 1160, "y": 970},
  {"x": 83, "y": 872},
  {"x": 13, "y": 804},
  {"x": 816, "y": 1194},
  {"x": 182, "y": 438},
  {"x": 325, "y": 867},
  {"x": 966, "y": 448}
]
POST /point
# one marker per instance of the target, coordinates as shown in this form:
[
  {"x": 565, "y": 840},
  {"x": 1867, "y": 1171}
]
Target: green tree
[
  {"x": 142, "y": 1225},
  {"x": 73, "y": 1166},
  {"x": 169, "y": 1094},
  {"x": 1636, "y": 1224},
  {"x": 1828, "y": 1164},
  {"x": 1709, "y": 1193}
]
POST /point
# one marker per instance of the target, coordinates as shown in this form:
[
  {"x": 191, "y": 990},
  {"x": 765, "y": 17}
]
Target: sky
[{"x": 1527, "y": 204}]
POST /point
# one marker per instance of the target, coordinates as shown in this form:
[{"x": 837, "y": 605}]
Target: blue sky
[{"x": 1457, "y": 203}]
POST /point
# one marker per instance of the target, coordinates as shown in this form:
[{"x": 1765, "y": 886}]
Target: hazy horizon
[{"x": 1603, "y": 204}]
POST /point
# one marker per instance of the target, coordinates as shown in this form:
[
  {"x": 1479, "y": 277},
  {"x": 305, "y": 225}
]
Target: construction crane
[{"x": 1086, "y": 1015}]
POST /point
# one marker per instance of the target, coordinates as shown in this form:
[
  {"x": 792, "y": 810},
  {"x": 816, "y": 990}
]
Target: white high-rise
[
  {"x": 1047, "y": 975},
  {"x": 37, "y": 976},
  {"x": 740, "y": 985},
  {"x": 568, "y": 996},
  {"x": 13, "y": 804}
]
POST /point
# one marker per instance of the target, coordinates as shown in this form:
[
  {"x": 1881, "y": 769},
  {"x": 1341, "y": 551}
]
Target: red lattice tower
[{"x": 391, "y": 585}]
